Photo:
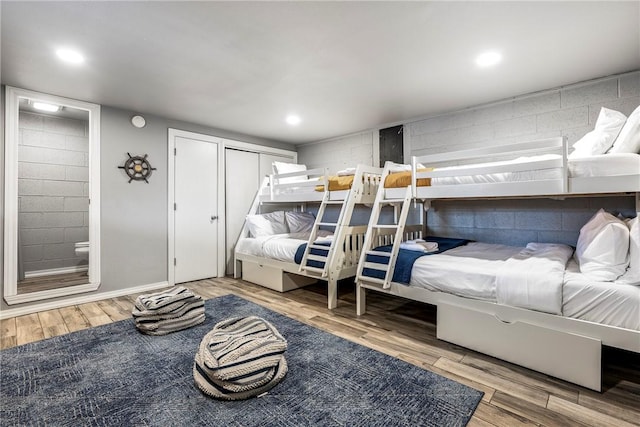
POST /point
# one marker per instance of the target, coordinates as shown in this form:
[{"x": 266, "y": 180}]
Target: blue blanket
[
  {"x": 311, "y": 263},
  {"x": 406, "y": 258}
]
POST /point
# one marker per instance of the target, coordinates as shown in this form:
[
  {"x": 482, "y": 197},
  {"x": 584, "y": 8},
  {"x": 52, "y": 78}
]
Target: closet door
[
  {"x": 242, "y": 169},
  {"x": 195, "y": 209}
]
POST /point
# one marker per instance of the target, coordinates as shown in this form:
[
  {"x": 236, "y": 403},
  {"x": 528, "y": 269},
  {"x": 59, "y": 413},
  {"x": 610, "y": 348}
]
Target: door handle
[{"x": 214, "y": 217}]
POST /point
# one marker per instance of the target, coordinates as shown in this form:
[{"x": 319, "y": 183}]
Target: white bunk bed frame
[
  {"x": 344, "y": 252},
  {"x": 562, "y": 347}
]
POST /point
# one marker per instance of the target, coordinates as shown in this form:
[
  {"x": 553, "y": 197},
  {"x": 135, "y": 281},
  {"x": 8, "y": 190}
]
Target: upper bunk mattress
[
  {"x": 581, "y": 167},
  {"x": 605, "y": 165}
]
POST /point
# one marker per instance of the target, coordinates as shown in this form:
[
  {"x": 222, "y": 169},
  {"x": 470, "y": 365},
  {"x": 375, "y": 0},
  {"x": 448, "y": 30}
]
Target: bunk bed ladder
[
  {"x": 374, "y": 230},
  {"x": 345, "y": 212}
]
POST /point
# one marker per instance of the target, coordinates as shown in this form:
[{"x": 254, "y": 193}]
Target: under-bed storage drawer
[
  {"x": 273, "y": 277},
  {"x": 564, "y": 355}
]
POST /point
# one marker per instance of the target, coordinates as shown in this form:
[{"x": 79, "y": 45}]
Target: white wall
[{"x": 134, "y": 216}]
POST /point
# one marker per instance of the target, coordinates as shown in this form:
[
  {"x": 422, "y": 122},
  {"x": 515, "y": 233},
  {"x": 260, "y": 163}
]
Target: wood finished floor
[
  {"x": 52, "y": 281},
  {"x": 514, "y": 396}
]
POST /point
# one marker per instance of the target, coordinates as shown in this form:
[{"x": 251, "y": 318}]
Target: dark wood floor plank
[
  {"x": 501, "y": 417},
  {"x": 532, "y": 412},
  {"x": 588, "y": 416},
  {"x": 522, "y": 375}
]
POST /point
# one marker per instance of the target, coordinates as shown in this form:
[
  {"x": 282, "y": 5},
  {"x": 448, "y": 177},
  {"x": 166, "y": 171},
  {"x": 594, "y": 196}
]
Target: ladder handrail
[{"x": 372, "y": 234}]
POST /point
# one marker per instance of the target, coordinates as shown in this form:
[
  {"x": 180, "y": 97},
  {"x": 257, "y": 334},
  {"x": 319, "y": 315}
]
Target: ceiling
[{"x": 343, "y": 67}]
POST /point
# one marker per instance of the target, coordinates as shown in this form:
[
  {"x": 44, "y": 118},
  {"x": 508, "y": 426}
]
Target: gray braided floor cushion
[
  {"x": 168, "y": 311},
  {"x": 240, "y": 358}
]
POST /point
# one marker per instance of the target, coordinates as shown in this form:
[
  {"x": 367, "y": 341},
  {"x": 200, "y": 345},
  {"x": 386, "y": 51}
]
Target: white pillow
[
  {"x": 267, "y": 224},
  {"x": 299, "y": 222},
  {"x": 601, "y": 138},
  {"x": 397, "y": 168},
  {"x": 629, "y": 139},
  {"x": 281, "y": 167},
  {"x": 634, "y": 246},
  {"x": 602, "y": 251}
]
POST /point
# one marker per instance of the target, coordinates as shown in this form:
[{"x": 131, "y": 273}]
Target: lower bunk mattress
[
  {"x": 551, "y": 282},
  {"x": 281, "y": 247}
]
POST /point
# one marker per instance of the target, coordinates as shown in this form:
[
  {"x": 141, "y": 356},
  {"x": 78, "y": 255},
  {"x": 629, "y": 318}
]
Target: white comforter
[
  {"x": 533, "y": 278},
  {"x": 528, "y": 277},
  {"x": 281, "y": 247}
]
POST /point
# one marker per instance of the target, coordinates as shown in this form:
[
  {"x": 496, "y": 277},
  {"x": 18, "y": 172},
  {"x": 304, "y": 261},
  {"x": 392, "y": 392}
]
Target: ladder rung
[
  {"x": 334, "y": 202},
  {"x": 321, "y": 247},
  {"x": 376, "y": 266},
  {"x": 371, "y": 280},
  {"x": 331, "y": 224},
  {"x": 313, "y": 269},
  {"x": 385, "y": 226},
  {"x": 321, "y": 258},
  {"x": 378, "y": 253},
  {"x": 392, "y": 201}
]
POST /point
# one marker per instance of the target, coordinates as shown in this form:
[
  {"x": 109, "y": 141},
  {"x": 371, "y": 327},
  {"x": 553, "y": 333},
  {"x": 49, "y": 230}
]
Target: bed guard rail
[
  {"x": 550, "y": 153},
  {"x": 300, "y": 182}
]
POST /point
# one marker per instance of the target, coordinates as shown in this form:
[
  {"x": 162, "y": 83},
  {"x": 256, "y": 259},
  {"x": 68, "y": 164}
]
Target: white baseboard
[
  {"x": 53, "y": 271},
  {"x": 51, "y": 305}
]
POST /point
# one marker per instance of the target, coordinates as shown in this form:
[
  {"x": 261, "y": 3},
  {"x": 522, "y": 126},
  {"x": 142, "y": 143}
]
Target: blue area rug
[{"x": 113, "y": 375}]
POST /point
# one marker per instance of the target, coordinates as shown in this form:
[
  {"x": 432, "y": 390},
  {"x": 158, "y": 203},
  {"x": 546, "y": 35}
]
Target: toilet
[{"x": 82, "y": 248}]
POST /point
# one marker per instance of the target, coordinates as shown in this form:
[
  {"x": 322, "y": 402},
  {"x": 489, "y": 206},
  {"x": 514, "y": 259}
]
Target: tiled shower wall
[{"x": 53, "y": 189}]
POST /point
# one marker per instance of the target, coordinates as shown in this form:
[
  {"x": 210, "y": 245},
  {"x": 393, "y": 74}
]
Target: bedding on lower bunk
[
  {"x": 281, "y": 247},
  {"x": 407, "y": 258},
  {"x": 611, "y": 303},
  {"x": 541, "y": 277}
]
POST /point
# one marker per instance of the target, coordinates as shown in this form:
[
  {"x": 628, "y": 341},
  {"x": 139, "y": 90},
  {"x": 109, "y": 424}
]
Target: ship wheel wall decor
[{"x": 137, "y": 168}]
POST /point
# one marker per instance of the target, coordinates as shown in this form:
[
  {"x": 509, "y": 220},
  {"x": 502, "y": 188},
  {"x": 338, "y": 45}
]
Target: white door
[
  {"x": 242, "y": 182},
  {"x": 195, "y": 209}
]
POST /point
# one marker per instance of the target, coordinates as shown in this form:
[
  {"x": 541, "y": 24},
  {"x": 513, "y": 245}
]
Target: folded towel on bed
[
  {"x": 406, "y": 259},
  {"x": 419, "y": 245},
  {"x": 168, "y": 311},
  {"x": 240, "y": 358}
]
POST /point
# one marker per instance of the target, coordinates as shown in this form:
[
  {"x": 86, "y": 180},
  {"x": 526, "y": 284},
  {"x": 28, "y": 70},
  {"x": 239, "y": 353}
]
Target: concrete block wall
[
  {"x": 569, "y": 111},
  {"x": 518, "y": 222},
  {"x": 339, "y": 153},
  {"x": 53, "y": 189}
]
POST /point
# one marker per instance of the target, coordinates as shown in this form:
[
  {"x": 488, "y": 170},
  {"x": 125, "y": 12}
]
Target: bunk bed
[
  {"x": 328, "y": 249},
  {"x": 563, "y": 337}
]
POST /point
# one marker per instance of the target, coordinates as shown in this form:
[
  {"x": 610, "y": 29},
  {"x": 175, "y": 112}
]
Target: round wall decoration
[{"x": 137, "y": 168}]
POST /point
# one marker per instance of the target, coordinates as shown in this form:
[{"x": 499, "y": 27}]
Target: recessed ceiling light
[
  {"x": 50, "y": 108},
  {"x": 293, "y": 119},
  {"x": 488, "y": 59},
  {"x": 71, "y": 56}
]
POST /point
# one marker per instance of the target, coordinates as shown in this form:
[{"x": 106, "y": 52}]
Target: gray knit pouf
[
  {"x": 240, "y": 358},
  {"x": 168, "y": 311}
]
